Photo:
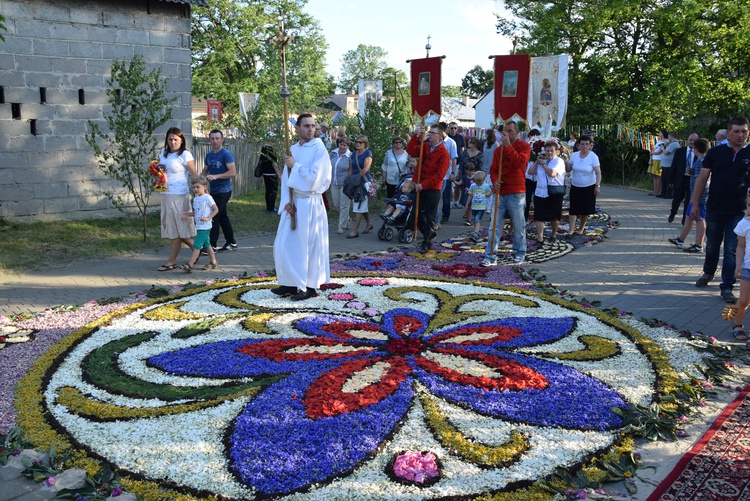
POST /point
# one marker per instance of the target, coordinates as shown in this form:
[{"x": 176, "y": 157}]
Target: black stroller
[{"x": 403, "y": 224}]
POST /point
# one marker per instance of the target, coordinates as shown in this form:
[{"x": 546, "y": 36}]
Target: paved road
[{"x": 635, "y": 269}]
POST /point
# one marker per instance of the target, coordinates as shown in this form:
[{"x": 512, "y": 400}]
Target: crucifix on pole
[{"x": 280, "y": 41}]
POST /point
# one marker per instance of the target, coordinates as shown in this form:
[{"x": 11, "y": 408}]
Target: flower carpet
[
  {"x": 554, "y": 246},
  {"x": 411, "y": 376},
  {"x": 413, "y": 386}
]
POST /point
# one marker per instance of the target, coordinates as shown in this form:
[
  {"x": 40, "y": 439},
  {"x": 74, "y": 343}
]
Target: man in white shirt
[{"x": 451, "y": 175}]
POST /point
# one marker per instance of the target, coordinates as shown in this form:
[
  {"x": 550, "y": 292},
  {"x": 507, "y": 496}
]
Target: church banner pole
[
  {"x": 419, "y": 173},
  {"x": 497, "y": 203}
]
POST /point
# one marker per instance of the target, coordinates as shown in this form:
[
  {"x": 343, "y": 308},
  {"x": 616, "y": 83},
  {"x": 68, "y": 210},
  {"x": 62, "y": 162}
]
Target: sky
[{"x": 462, "y": 31}]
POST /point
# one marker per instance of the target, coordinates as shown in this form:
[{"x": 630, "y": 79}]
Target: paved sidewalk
[
  {"x": 636, "y": 270},
  {"x": 639, "y": 271}
]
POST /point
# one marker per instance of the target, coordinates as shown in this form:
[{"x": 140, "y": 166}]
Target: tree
[
  {"x": 365, "y": 62},
  {"x": 232, "y": 53},
  {"x": 139, "y": 107},
  {"x": 478, "y": 82},
  {"x": 2, "y": 26},
  {"x": 676, "y": 65},
  {"x": 451, "y": 91}
]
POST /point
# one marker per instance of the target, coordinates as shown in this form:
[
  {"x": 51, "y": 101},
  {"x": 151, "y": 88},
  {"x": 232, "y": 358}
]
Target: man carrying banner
[
  {"x": 429, "y": 178},
  {"x": 508, "y": 176}
]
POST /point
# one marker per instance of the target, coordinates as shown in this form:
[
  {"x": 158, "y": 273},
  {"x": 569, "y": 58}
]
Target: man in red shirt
[
  {"x": 511, "y": 188},
  {"x": 429, "y": 181}
]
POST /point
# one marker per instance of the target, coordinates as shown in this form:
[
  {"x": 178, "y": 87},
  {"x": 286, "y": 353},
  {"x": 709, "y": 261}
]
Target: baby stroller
[{"x": 403, "y": 224}]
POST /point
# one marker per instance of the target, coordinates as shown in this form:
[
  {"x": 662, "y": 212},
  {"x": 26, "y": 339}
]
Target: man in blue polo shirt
[
  {"x": 728, "y": 166},
  {"x": 219, "y": 169}
]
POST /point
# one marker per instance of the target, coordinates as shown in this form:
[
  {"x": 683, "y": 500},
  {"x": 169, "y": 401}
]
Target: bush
[{"x": 621, "y": 162}]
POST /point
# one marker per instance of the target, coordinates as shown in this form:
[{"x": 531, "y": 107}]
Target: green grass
[{"x": 34, "y": 246}]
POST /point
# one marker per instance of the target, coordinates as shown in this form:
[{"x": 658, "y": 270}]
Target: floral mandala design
[{"x": 273, "y": 400}]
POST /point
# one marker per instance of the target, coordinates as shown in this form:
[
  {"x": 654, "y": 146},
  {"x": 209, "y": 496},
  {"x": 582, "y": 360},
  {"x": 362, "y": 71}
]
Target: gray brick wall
[{"x": 67, "y": 46}]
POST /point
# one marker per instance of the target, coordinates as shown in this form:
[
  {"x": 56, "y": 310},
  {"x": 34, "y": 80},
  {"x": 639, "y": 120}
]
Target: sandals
[
  {"x": 368, "y": 229},
  {"x": 211, "y": 266},
  {"x": 739, "y": 333},
  {"x": 166, "y": 267},
  {"x": 186, "y": 268}
]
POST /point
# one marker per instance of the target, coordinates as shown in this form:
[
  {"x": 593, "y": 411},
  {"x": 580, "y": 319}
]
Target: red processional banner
[
  {"x": 425, "y": 86},
  {"x": 512, "y": 86}
]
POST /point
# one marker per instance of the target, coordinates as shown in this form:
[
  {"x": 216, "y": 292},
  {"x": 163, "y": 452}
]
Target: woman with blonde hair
[{"x": 361, "y": 160}]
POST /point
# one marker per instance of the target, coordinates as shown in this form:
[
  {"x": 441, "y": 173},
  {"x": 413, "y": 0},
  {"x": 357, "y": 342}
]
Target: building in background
[{"x": 54, "y": 65}]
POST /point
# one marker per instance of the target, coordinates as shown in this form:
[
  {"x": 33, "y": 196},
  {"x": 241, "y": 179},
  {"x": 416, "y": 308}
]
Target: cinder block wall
[{"x": 47, "y": 170}]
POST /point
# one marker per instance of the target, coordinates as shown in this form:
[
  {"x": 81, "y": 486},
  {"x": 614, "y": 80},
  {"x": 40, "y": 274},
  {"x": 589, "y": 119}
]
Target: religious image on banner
[
  {"x": 510, "y": 83},
  {"x": 424, "y": 83},
  {"x": 425, "y": 86},
  {"x": 548, "y": 100},
  {"x": 370, "y": 92},
  {"x": 511, "y": 86}
]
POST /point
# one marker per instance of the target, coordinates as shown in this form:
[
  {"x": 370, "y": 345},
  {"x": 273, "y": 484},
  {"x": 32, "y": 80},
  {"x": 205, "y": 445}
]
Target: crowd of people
[
  {"x": 460, "y": 172},
  {"x": 503, "y": 176},
  {"x": 721, "y": 214},
  {"x": 717, "y": 212}
]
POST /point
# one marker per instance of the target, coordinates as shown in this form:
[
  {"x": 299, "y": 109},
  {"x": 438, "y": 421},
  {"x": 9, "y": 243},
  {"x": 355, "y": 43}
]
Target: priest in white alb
[{"x": 301, "y": 254}]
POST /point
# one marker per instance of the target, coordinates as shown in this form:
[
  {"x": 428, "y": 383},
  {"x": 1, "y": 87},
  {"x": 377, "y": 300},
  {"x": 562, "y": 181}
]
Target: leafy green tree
[
  {"x": 395, "y": 83},
  {"x": 677, "y": 65},
  {"x": 478, "y": 82},
  {"x": 233, "y": 52},
  {"x": 365, "y": 62},
  {"x": 139, "y": 106},
  {"x": 451, "y": 91},
  {"x": 381, "y": 123}
]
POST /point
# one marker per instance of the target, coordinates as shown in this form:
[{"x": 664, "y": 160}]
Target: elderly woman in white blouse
[{"x": 586, "y": 179}]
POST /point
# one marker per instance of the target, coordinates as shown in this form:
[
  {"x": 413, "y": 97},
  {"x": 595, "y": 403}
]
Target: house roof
[{"x": 201, "y": 3}]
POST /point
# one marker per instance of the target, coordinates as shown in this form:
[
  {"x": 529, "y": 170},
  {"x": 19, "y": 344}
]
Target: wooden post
[
  {"x": 419, "y": 176},
  {"x": 497, "y": 202}
]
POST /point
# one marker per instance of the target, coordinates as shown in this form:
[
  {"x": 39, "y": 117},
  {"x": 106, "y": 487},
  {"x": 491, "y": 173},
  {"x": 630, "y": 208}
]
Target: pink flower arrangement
[
  {"x": 373, "y": 281},
  {"x": 416, "y": 466},
  {"x": 341, "y": 297}
]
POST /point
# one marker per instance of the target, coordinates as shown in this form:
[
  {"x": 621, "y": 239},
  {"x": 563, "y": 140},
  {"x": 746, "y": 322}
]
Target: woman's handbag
[
  {"x": 258, "y": 171},
  {"x": 556, "y": 189}
]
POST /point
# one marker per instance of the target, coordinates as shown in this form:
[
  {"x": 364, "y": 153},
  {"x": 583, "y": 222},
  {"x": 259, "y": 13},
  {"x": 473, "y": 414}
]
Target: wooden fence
[{"x": 245, "y": 158}]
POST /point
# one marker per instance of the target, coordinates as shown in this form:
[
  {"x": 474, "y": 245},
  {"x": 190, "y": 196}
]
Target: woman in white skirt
[{"x": 180, "y": 167}]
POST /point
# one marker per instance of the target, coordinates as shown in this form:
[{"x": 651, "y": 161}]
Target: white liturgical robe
[{"x": 301, "y": 255}]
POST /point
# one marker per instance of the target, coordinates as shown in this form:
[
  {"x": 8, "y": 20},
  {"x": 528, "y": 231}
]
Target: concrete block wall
[{"x": 68, "y": 47}]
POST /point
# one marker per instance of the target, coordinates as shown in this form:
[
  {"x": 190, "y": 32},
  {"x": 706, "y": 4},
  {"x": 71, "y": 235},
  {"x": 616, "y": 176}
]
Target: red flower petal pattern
[
  {"x": 325, "y": 396},
  {"x": 516, "y": 376},
  {"x": 280, "y": 350}
]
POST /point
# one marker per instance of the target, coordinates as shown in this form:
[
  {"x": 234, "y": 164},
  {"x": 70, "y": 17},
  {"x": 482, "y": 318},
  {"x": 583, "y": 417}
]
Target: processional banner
[
  {"x": 511, "y": 86},
  {"x": 425, "y": 86},
  {"x": 548, "y": 94}
]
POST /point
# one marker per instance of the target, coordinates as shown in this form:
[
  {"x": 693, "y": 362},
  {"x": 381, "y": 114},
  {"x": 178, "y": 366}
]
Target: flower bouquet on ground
[{"x": 160, "y": 175}]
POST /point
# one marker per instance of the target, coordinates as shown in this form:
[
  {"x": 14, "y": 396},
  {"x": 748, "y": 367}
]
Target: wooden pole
[
  {"x": 419, "y": 175},
  {"x": 497, "y": 202}
]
